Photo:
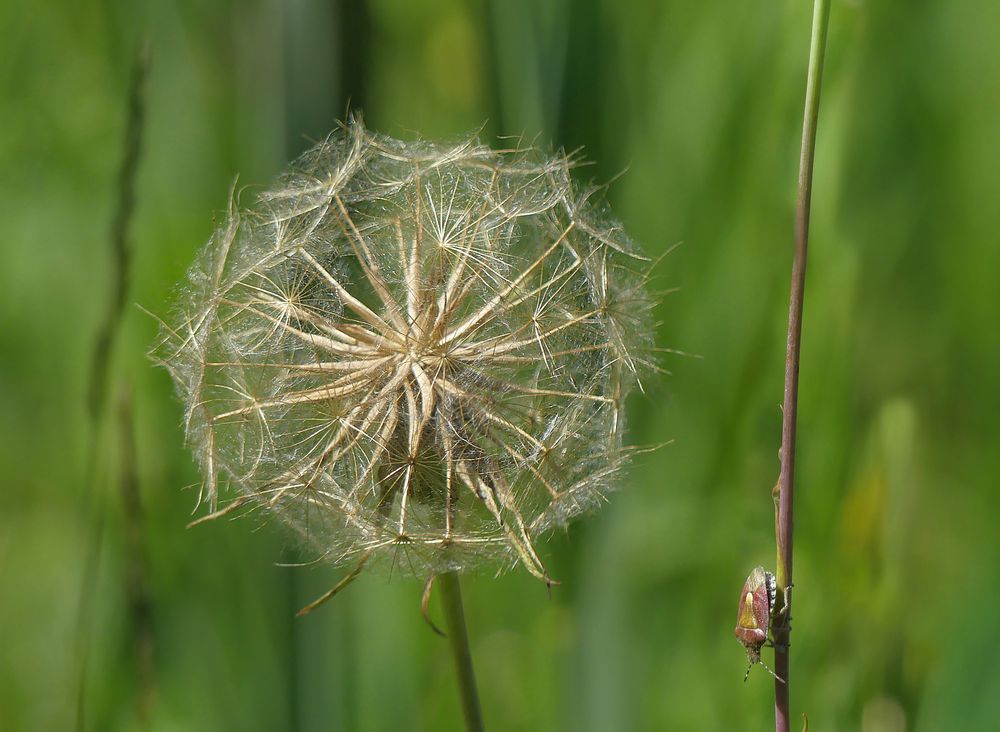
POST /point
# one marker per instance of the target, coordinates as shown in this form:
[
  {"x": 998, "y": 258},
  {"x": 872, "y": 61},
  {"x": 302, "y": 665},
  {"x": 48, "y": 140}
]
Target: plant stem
[
  {"x": 101, "y": 365},
  {"x": 140, "y": 602},
  {"x": 458, "y": 638},
  {"x": 783, "y": 521}
]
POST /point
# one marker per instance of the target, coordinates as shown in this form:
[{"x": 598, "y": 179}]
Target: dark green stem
[
  {"x": 101, "y": 365},
  {"x": 458, "y": 638},
  {"x": 782, "y": 629}
]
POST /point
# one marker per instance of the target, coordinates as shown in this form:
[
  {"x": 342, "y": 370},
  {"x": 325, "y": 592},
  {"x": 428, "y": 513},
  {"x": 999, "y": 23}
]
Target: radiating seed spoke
[
  {"x": 485, "y": 311},
  {"x": 326, "y": 343},
  {"x": 448, "y": 386},
  {"x": 366, "y": 313},
  {"x": 370, "y": 266},
  {"x": 484, "y": 351}
]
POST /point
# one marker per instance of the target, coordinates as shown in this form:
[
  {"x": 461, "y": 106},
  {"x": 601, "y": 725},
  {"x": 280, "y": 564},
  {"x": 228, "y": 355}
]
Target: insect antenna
[{"x": 766, "y": 667}]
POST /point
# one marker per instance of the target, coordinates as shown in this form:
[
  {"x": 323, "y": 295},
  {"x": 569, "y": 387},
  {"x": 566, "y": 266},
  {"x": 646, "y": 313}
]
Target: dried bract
[{"x": 416, "y": 346}]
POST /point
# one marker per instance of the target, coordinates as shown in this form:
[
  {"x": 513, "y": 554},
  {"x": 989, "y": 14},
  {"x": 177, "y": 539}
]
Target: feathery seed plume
[{"x": 417, "y": 346}]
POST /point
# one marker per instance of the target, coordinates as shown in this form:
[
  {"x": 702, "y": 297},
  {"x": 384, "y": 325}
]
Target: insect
[{"x": 753, "y": 618}]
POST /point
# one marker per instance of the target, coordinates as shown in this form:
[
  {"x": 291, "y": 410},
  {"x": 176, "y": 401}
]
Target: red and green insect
[{"x": 755, "y": 614}]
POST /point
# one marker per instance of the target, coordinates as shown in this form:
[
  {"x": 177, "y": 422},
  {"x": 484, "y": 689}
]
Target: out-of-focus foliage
[{"x": 897, "y": 566}]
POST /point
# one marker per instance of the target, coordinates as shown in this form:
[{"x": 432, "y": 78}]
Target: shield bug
[{"x": 753, "y": 618}]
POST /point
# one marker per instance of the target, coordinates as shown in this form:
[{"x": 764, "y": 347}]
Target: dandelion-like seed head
[{"x": 415, "y": 346}]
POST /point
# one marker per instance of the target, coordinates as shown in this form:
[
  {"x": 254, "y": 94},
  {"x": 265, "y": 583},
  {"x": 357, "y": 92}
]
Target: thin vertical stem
[
  {"x": 140, "y": 602},
  {"x": 783, "y": 524},
  {"x": 101, "y": 365},
  {"x": 458, "y": 638}
]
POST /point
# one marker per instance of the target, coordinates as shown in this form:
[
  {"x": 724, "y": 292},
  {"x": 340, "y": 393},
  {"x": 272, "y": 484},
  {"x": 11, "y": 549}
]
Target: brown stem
[{"x": 783, "y": 525}]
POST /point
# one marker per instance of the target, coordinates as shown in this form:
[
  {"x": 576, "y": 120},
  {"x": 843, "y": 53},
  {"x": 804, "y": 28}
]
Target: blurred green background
[{"x": 897, "y": 564}]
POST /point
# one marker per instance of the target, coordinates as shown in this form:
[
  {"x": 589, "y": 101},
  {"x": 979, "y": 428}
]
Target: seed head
[{"x": 417, "y": 346}]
